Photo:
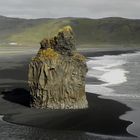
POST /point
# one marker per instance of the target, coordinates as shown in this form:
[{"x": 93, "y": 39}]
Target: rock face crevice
[{"x": 57, "y": 74}]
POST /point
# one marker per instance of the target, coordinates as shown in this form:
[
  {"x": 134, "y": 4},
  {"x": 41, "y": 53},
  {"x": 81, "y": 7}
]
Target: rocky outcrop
[{"x": 57, "y": 74}]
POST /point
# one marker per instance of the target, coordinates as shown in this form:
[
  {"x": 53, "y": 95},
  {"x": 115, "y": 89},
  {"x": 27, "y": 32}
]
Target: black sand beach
[{"x": 102, "y": 116}]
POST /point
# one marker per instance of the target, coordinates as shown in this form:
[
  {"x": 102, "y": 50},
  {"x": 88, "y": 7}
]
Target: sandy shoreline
[{"x": 102, "y": 117}]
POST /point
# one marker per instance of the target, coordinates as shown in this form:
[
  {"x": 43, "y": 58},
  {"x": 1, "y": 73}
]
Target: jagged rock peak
[{"x": 63, "y": 42}]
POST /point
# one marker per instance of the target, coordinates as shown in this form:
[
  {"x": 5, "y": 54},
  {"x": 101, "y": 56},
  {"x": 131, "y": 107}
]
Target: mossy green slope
[
  {"x": 35, "y": 34},
  {"x": 107, "y": 30},
  {"x": 87, "y": 31}
]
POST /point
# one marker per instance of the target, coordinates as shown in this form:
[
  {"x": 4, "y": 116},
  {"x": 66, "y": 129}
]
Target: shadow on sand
[{"x": 19, "y": 95}]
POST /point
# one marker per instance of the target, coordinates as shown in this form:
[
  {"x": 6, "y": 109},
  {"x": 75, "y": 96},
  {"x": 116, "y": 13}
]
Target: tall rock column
[{"x": 57, "y": 74}]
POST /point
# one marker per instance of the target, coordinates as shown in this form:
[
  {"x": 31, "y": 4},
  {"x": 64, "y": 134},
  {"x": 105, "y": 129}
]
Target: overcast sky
[{"x": 70, "y": 8}]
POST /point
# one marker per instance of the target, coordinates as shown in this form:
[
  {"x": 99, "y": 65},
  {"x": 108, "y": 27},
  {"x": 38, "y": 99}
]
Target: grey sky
[{"x": 70, "y": 8}]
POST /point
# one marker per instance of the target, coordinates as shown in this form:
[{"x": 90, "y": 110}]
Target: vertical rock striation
[{"x": 57, "y": 74}]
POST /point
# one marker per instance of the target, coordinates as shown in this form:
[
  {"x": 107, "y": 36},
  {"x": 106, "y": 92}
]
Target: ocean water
[
  {"x": 120, "y": 71},
  {"x": 121, "y": 76}
]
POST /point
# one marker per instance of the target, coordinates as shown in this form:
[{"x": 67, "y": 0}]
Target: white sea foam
[
  {"x": 114, "y": 76},
  {"x": 108, "y": 92},
  {"x": 111, "y": 74},
  {"x": 1, "y": 117},
  {"x": 98, "y": 89},
  {"x": 111, "y": 70}
]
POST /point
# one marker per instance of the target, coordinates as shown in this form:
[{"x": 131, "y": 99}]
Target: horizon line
[{"x": 70, "y": 17}]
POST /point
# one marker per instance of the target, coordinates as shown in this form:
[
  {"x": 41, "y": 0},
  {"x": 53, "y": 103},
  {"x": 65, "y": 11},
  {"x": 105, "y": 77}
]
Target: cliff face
[{"x": 57, "y": 74}]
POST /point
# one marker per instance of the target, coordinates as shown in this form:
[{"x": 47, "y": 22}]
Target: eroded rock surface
[{"x": 57, "y": 74}]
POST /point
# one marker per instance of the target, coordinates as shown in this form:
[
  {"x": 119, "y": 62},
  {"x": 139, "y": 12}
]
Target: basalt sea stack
[{"x": 57, "y": 74}]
